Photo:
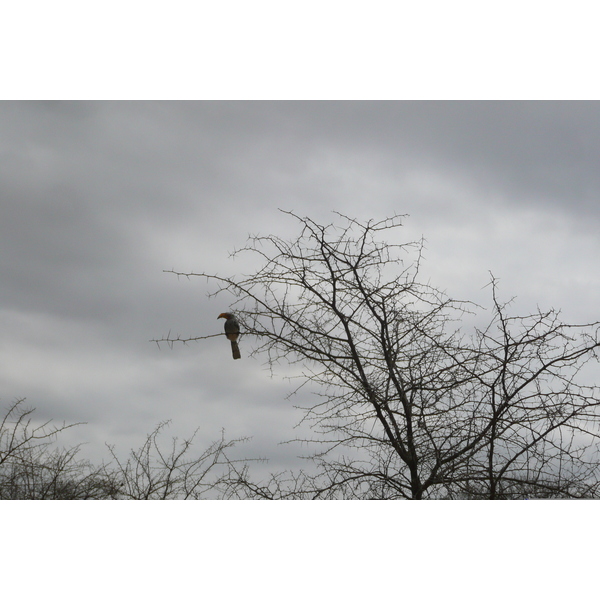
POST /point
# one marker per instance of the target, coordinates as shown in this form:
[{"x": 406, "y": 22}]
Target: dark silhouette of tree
[
  {"x": 32, "y": 467},
  {"x": 408, "y": 404},
  {"x": 154, "y": 473}
]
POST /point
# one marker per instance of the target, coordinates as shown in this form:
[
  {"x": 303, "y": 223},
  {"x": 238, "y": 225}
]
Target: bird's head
[{"x": 225, "y": 316}]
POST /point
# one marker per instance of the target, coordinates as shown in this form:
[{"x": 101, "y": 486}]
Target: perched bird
[{"x": 232, "y": 331}]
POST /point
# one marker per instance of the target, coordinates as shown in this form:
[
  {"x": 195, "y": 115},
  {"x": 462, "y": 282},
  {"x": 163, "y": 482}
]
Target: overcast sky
[{"x": 98, "y": 198}]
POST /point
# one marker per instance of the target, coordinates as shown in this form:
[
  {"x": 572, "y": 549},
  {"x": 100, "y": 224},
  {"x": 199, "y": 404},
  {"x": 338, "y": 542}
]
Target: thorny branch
[{"x": 408, "y": 405}]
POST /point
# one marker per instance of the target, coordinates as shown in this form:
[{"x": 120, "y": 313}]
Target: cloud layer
[{"x": 98, "y": 198}]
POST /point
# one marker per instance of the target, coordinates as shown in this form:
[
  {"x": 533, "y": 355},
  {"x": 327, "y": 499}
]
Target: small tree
[
  {"x": 155, "y": 473},
  {"x": 408, "y": 405},
  {"x": 32, "y": 467}
]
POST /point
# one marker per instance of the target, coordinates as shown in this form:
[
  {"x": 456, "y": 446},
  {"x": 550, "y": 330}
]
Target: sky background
[{"x": 98, "y": 198}]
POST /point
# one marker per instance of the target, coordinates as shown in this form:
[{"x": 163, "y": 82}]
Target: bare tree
[
  {"x": 408, "y": 405},
  {"x": 155, "y": 473},
  {"x": 32, "y": 467}
]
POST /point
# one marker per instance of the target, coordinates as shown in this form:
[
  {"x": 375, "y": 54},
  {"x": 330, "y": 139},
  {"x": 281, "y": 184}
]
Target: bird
[{"x": 232, "y": 331}]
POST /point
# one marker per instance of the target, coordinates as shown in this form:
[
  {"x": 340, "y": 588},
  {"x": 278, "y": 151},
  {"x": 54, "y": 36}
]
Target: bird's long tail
[{"x": 235, "y": 350}]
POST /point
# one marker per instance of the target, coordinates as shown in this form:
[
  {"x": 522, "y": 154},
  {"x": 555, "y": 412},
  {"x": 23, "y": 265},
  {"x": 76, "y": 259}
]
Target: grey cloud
[{"x": 97, "y": 198}]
